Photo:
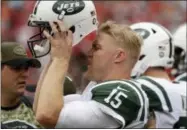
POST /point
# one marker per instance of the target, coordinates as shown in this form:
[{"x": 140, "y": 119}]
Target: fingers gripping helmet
[
  {"x": 157, "y": 49},
  {"x": 179, "y": 38},
  {"x": 78, "y": 16}
]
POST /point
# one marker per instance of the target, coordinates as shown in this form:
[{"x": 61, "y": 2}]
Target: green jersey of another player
[
  {"x": 123, "y": 100},
  {"x": 164, "y": 100}
]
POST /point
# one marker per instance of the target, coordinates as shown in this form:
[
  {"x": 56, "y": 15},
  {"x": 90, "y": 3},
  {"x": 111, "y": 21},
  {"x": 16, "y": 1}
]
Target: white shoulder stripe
[
  {"x": 141, "y": 100},
  {"x": 126, "y": 83}
]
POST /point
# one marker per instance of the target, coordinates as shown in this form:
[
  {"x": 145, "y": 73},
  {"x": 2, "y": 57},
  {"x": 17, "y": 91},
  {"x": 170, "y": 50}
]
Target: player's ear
[{"x": 120, "y": 55}]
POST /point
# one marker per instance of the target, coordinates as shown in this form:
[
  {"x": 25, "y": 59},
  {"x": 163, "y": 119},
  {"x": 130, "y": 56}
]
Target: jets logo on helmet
[
  {"x": 70, "y": 7},
  {"x": 142, "y": 32}
]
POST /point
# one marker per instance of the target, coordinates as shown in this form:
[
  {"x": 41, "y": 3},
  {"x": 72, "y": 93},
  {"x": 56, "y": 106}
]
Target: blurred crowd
[{"x": 168, "y": 13}]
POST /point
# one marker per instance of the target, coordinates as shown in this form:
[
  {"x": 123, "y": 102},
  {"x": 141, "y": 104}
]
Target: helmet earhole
[
  {"x": 153, "y": 30},
  {"x": 141, "y": 57}
]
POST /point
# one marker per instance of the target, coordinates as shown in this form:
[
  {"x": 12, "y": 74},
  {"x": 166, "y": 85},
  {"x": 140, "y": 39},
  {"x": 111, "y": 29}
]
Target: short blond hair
[{"x": 125, "y": 37}]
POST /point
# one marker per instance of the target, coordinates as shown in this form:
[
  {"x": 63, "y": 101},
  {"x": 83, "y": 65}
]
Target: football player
[
  {"x": 166, "y": 104},
  {"x": 180, "y": 65},
  {"x": 79, "y": 17},
  {"x": 116, "y": 101}
]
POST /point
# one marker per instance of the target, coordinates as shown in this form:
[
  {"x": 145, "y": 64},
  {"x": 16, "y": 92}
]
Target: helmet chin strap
[
  {"x": 43, "y": 48},
  {"x": 144, "y": 67},
  {"x": 38, "y": 48}
]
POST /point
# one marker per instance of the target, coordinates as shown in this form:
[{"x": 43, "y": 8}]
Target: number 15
[{"x": 110, "y": 99}]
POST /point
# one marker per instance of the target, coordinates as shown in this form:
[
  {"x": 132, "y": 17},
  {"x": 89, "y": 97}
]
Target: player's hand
[{"x": 61, "y": 41}]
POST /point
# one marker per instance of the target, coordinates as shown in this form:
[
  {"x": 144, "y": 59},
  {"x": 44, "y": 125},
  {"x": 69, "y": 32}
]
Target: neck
[
  {"x": 8, "y": 100},
  {"x": 157, "y": 73},
  {"x": 117, "y": 74}
]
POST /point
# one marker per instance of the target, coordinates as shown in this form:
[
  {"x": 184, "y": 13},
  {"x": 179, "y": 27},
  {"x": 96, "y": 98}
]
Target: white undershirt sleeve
[
  {"x": 84, "y": 114},
  {"x": 72, "y": 97}
]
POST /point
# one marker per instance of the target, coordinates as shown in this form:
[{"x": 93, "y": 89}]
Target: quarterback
[{"x": 116, "y": 101}]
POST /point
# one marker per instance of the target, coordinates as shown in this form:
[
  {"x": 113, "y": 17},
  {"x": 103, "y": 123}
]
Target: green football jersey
[
  {"x": 157, "y": 94},
  {"x": 164, "y": 100},
  {"x": 21, "y": 117},
  {"x": 124, "y": 100}
]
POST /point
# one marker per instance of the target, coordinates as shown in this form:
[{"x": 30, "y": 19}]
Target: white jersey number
[{"x": 111, "y": 99}]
